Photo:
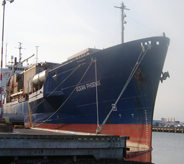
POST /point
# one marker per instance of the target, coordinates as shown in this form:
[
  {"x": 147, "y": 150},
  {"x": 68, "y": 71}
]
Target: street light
[{"x": 3, "y": 3}]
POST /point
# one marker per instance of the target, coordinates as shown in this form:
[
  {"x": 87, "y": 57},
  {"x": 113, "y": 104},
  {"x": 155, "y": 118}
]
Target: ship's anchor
[{"x": 164, "y": 76}]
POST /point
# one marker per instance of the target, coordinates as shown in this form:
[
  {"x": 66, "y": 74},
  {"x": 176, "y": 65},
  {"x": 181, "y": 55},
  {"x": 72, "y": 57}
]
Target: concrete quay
[{"x": 34, "y": 142}]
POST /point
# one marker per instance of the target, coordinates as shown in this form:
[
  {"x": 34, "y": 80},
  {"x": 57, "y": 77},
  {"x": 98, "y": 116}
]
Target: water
[{"x": 167, "y": 148}]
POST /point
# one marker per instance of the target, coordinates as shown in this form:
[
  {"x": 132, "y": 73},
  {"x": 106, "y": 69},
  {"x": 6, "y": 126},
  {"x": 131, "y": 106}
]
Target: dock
[
  {"x": 168, "y": 129},
  {"x": 47, "y": 143}
]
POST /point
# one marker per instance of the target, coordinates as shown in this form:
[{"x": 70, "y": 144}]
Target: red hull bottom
[{"x": 139, "y": 136}]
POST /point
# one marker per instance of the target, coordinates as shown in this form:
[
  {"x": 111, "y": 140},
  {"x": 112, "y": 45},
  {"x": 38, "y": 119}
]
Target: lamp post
[{"x": 3, "y": 3}]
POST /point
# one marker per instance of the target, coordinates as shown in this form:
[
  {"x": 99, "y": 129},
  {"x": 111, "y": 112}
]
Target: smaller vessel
[{"x": 7, "y": 73}]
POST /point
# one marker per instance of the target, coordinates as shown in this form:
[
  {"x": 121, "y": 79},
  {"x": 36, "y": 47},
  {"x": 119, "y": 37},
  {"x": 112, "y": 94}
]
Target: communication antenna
[
  {"x": 12, "y": 60},
  {"x": 123, "y": 15},
  {"x": 20, "y": 54},
  {"x": 36, "y": 53},
  {"x": 6, "y": 55}
]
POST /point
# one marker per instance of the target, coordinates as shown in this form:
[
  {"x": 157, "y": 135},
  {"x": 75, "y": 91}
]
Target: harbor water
[{"x": 167, "y": 148}]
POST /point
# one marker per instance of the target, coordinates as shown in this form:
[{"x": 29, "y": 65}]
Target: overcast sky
[{"x": 62, "y": 28}]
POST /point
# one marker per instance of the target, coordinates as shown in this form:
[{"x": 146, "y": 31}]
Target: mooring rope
[
  {"x": 67, "y": 98},
  {"x": 96, "y": 93},
  {"x": 55, "y": 88},
  {"x": 139, "y": 60}
]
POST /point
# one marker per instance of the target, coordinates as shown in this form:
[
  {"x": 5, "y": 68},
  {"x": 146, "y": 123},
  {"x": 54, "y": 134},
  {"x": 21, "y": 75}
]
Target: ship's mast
[
  {"x": 20, "y": 53},
  {"x": 123, "y": 15}
]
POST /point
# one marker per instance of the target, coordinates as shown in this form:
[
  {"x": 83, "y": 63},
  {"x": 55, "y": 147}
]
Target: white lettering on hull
[{"x": 87, "y": 86}]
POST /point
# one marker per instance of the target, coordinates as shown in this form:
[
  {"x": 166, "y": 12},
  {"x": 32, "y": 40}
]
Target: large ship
[{"x": 109, "y": 91}]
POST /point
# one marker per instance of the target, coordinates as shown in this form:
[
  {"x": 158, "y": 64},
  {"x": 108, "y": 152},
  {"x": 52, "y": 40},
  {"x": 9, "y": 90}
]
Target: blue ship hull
[{"x": 73, "y": 91}]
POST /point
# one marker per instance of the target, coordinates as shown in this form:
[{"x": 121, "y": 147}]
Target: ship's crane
[
  {"x": 14, "y": 67},
  {"x": 12, "y": 72}
]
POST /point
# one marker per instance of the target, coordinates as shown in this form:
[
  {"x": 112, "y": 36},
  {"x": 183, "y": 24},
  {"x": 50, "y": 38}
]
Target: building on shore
[{"x": 167, "y": 122}]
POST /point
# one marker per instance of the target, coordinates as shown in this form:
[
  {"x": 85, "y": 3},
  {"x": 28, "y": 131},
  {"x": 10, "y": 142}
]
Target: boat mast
[
  {"x": 123, "y": 15},
  {"x": 20, "y": 54}
]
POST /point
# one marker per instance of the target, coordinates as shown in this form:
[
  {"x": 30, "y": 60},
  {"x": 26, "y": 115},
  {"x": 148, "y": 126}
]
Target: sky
[{"x": 62, "y": 28}]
